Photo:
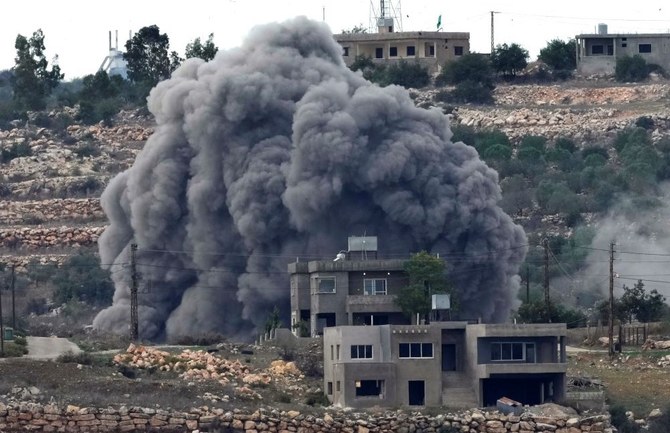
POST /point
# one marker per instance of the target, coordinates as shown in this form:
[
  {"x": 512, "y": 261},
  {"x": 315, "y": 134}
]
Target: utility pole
[
  {"x": 547, "y": 300},
  {"x": 13, "y": 283},
  {"x": 134, "y": 319},
  {"x": 2, "y": 329},
  {"x": 611, "y": 306},
  {"x": 493, "y": 31},
  {"x": 527, "y": 285}
]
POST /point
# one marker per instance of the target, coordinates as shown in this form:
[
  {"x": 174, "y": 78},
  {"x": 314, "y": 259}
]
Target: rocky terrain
[{"x": 51, "y": 177}]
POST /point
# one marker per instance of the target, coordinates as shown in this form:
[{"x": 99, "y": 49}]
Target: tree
[
  {"x": 473, "y": 78},
  {"x": 560, "y": 55},
  {"x": 355, "y": 30},
  {"x": 32, "y": 81},
  {"x": 645, "y": 307},
  {"x": 536, "y": 312},
  {"x": 205, "y": 51},
  {"x": 82, "y": 279},
  {"x": 509, "y": 59},
  {"x": 426, "y": 275},
  {"x": 147, "y": 56},
  {"x": 517, "y": 194},
  {"x": 631, "y": 69}
]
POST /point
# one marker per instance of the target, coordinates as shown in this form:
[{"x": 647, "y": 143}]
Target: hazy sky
[{"x": 76, "y": 30}]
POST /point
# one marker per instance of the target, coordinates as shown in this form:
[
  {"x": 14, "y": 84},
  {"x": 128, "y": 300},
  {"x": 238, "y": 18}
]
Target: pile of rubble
[
  {"x": 653, "y": 344},
  {"x": 22, "y": 262},
  {"x": 199, "y": 365},
  {"x": 31, "y": 238}
]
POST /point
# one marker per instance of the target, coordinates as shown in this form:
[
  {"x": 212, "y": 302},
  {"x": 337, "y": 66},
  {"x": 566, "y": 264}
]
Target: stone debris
[
  {"x": 652, "y": 344},
  {"x": 199, "y": 366},
  {"x": 32, "y": 238}
]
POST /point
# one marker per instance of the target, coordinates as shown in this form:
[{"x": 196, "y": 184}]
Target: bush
[
  {"x": 621, "y": 421},
  {"x": 406, "y": 74},
  {"x": 82, "y": 358},
  {"x": 470, "y": 67},
  {"x": 660, "y": 424},
  {"x": 13, "y": 350},
  {"x": 16, "y": 150},
  {"x": 645, "y": 122},
  {"x": 87, "y": 149},
  {"x": 316, "y": 399},
  {"x": 631, "y": 69},
  {"x": 472, "y": 91}
]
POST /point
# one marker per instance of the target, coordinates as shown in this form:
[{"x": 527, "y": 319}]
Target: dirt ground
[{"x": 99, "y": 382}]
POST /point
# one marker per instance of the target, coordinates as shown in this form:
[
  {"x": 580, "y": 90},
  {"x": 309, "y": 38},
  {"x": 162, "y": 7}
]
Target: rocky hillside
[{"x": 51, "y": 177}]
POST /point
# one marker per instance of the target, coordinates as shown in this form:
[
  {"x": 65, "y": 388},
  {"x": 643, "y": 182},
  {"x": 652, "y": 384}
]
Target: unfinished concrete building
[
  {"x": 355, "y": 289},
  {"x": 597, "y": 53},
  {"x": 454, "y": 364}
]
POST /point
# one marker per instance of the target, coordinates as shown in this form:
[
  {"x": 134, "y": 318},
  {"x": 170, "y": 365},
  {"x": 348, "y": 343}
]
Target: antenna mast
[{"x": 386, "y": 19}]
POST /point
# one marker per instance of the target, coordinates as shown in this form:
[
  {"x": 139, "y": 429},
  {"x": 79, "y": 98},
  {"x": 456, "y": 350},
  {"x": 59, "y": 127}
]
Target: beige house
[{"x": 430, "y": 49}]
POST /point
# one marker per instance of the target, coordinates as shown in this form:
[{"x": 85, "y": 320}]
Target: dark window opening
[
  {"x": 393, "y": 52},
  {"x": 415, "y": 350},
  {"x": 529, "y": 390},
  {"x": 597, "y": 49},
  {"x": 337, "y": 386},
  {"x": 330, "y": 388},
  {"x": 361, "y": 351},
  {"x": 411, "y": 51},
  {"x": 644, "y": 48},
  {"x": 624, "y": 45},
  {"x": 431, "y": 51},
  {"x": 379, "y": 53},
  {"x": 346, "y": 52},
  {"x": 610, "y": 50},
  {"x": 458, "y": 51},
  {"x": 369, "y": 388},
  {"x": 624, "y": 39},
  {"x": 417, "y": 392}
]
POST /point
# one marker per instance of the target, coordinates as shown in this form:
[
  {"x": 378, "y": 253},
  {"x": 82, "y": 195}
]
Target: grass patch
[{"x": 83, "y": 358}]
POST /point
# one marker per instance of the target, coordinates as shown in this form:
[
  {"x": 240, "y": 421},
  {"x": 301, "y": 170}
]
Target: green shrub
[
  {"x": 316, "y": 399},
  {"x": 645, "y": 122},
  {"x": 13, "y": 350},
  {"x": 16, "y": 150},
  {"x": 631, "y": 69},
  {"x": 87, "y": 149},
  {"x": 472, "y": 91},
  {"x": 406, "y": 74},
  {"x": 78, "y": 358}
]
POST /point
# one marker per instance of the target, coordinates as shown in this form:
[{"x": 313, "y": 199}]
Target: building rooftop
[
  {"x": 362, "y": 37},
  {"x": 623, "y": 35}
]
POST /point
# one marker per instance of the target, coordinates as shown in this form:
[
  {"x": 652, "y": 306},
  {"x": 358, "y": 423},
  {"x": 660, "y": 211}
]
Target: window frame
[
  {"x": 413, "y": 48},
  {"x": 416, "y": 350},
  {"x": 640, "y": 51},
  {"x": 318, "y": 284},
  {"x": 361, "y": 351},
  {"x": 508, "y": 351},
  {"x": 379, "y": 52},
  {"x": 392, "y": 50},
  {"x": 374, "y": 291},
  {"x": 345, "y": 51},
  {"x": 459, "y": 50}
]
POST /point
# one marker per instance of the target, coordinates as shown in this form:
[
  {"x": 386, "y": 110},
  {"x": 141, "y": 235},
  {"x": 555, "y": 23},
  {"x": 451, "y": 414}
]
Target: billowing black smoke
[{"x": 276, "y": 150}]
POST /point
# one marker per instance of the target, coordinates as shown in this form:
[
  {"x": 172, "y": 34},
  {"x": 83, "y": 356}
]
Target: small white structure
[{"x": 114, "y": 64}]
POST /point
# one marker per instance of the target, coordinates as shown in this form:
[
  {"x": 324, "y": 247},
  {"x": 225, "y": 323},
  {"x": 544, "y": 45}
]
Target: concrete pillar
[
  {"x": 563, "y": 357},
  {"x": 312, "y": 325}
]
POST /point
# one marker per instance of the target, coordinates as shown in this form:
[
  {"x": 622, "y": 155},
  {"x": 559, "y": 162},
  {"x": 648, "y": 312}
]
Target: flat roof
[
  {"x": 622, "y": 35},
  {"x": 370, "y": 37}
]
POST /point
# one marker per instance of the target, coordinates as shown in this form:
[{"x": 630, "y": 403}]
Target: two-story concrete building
[
  {"x": 597, "y": 53},
  {"x": 444, "y": 363},
  {"x": 356, "y": 289}
]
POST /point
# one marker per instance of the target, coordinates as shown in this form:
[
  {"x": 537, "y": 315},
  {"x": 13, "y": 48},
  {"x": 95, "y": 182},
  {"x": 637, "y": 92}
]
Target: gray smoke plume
[
  {"x": 639, "y": 228},
  {"x": 276, "y": 150}
]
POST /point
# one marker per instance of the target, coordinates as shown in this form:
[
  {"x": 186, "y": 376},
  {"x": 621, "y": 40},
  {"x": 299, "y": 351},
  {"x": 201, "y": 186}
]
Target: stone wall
[
  {"x": 72, "y": 419},
  {"x": 14, "y": 212},
  {"x": 49, "y": 237}
]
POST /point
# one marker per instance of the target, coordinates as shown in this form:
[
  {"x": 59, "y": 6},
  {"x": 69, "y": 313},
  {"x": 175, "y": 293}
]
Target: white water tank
[{"x": 602, "y": 29}]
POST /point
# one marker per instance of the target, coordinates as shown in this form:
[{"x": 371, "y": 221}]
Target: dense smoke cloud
[{"x": 276, "y": 150}]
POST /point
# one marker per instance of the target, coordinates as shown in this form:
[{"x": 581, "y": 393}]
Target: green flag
[{"x": 439, "y": 22}]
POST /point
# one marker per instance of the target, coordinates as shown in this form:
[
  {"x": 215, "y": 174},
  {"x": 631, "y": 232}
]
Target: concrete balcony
[
  {"x": 372, "y": 304},
  {"x": 486, "y": 370}
]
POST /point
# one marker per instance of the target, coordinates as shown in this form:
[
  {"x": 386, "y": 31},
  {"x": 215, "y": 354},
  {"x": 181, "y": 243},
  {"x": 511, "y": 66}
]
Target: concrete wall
[
  {"x": 428, "y": 370},
  {"x": 622, "y": 45}
]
